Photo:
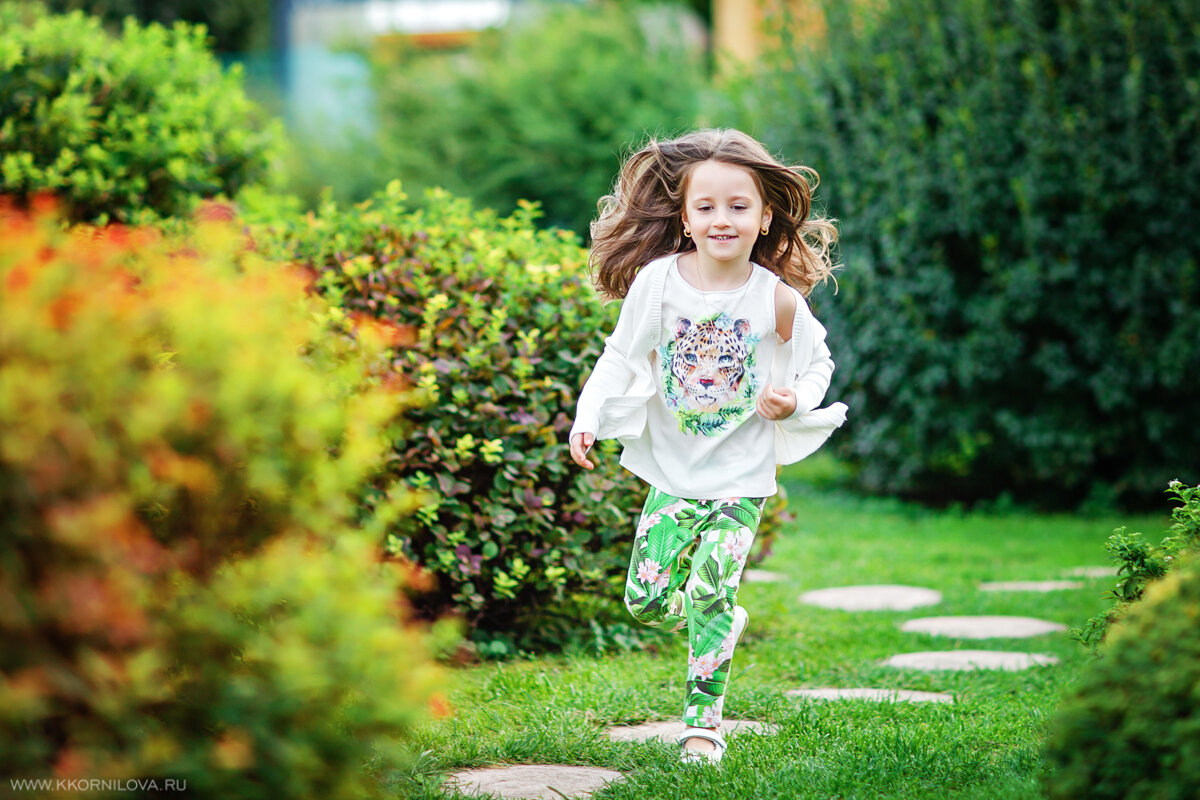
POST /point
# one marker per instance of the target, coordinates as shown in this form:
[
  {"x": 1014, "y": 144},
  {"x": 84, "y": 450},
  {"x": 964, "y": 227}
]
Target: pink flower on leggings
[
  {"x": 710, "y": 717},
  {"x": 727, "y": 645},
  {"x": 647, "y": 523},
  {"x": 737, "y": 546},
  {"x": 648, "y": 571},
  {"x": 704, "y": 666}
]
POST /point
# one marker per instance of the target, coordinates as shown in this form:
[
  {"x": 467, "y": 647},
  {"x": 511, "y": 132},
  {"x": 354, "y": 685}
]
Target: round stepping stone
[
  {"x": 763, "y": 576},
  {"x": 529, "y": 781},
  {"x": 872, "y": 598},
  {"x": 1029, "y": 586},
  {"x": 876, "y": 695},
  {"x": 1092, "y": 572},
  {"x": 668, "y": 731},
  {"x": 982, "y": 627},
  {"x": 969, "y": 660}
]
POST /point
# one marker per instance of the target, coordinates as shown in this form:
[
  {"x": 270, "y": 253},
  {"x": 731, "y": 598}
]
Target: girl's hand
[
  {"x": 775, "y": 403},
  {"x": 580, "y": 444}
]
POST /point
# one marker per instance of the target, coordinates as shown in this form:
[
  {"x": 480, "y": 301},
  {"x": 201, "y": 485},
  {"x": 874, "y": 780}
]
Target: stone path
[
  {"x": 899, "y": 598},
  {"x": 762, "y": 576},
  {"x": 982, "y": 627},
  {"x": 668, "y": 731},
  {"x": 872, "y": 598},
  {"x": 553, "y": 781},
  {"x": 966, "y": 660},
  {"x": 1092, "y": 572},
  {"x": 529, "y": 781},
  {"x": 876, "y": 695},
  {"x": 1029, "y": 586}
]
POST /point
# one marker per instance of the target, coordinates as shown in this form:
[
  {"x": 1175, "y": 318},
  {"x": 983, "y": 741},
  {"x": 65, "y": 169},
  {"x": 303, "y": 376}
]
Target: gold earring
[
  {"x": 765, "y": 229},
  {"x": 687, "y": 234}
]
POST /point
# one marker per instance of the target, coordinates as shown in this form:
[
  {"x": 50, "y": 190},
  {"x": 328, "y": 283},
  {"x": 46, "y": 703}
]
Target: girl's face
[{"x": 725, "y": 212}]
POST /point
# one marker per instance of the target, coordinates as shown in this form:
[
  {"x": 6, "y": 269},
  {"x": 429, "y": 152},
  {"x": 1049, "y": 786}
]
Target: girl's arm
[
  {"x": 808, "y": 389},
  {"x": 613, "y": 371}
]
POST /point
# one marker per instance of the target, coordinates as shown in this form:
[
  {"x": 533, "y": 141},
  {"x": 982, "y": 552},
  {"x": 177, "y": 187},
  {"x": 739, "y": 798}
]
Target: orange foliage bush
[{"x": 183, "y": 591}]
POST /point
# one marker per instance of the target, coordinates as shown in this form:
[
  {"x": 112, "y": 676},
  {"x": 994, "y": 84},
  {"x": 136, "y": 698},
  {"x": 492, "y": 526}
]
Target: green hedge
[
  {"x": 183, "y": 593},
  {"x": 118, "y": 126},
  {"x": 1131, "y": 728},
  {"x": 1017, "y": 185},
  {"x": 540, "y": 110}
]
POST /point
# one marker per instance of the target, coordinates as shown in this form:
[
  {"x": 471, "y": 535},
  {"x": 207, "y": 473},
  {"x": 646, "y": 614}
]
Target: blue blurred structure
[{"x": 317, "y": 65}]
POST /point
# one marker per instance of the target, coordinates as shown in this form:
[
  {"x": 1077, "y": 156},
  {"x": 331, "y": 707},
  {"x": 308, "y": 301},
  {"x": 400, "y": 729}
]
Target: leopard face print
[{"x": 709, "y": 360}]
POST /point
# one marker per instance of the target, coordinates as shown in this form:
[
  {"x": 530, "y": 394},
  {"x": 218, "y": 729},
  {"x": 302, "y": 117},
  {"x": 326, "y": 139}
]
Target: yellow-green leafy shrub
[
  {"x": 1131, "y": 729},
  {"x": 121, "y": 126},
  {"x": 182, "y": 594},
  {"x": 504, "y": 326}
]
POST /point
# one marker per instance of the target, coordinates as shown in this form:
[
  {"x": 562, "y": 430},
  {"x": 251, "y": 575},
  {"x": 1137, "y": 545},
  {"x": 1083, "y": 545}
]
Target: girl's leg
[
  {"x": 661, "y": 561},
  {"x": 726, "y": 530}
]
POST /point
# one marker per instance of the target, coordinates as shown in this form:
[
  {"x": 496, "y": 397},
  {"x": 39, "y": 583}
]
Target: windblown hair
[{"x": 643, "y": 217}]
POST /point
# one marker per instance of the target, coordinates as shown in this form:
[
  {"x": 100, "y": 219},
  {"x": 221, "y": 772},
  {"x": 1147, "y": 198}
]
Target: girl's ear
[{"x": 766, "y": 217}]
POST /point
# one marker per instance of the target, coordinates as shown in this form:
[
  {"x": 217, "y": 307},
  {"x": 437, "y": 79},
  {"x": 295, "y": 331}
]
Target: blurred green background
[{"x": 1016, "y": 316}]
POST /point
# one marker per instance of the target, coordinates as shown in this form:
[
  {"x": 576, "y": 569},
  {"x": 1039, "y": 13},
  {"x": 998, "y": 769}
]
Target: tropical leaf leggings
[{"x": 688, "y": 557}]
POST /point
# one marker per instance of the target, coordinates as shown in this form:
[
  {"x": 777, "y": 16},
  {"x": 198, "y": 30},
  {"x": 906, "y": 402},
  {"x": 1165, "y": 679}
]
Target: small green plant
[
  {"x": 1140, "y": 561},
  {"x": 122, "y": 127}
]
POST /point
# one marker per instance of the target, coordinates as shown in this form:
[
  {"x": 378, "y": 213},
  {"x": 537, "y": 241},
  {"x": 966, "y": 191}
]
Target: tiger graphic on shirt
[{"x": 707, "y": 373}]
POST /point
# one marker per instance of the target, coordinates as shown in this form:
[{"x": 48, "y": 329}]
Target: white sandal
[{"x": 701, "y": 756}]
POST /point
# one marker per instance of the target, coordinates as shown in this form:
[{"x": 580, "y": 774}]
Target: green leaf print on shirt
[{"x": 708, "y": 373}]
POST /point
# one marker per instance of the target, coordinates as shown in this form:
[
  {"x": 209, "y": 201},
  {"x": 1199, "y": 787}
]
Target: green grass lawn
[{"x": 986, "y": 745}]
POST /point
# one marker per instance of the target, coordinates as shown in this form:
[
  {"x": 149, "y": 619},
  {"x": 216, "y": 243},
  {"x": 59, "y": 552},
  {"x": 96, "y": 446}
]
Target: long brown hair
[{"x": 642, "y": 218}]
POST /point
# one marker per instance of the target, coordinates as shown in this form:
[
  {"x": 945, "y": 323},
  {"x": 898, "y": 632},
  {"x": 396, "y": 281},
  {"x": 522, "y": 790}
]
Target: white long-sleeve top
[{"x": 614, "y": 400}]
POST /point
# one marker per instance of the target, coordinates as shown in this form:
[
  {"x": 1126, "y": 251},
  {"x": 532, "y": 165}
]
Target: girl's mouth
[{"x": 722, "y": 238}]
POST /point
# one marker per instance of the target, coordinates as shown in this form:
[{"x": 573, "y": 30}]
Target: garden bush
[
  {"x": 184, "y": 593},
  {"x": 1131, "y": 728},
  {"x": 122, "y": 127},
  {"x": 1017, "y": 185},
  {"x": 540, "y": 110},
  {"x": 1139, "y": 561},
  {"x": 502, "y": 326}
]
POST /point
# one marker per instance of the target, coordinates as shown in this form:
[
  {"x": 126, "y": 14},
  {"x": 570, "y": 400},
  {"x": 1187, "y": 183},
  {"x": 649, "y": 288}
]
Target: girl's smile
[{"x": 724, "y": 213}]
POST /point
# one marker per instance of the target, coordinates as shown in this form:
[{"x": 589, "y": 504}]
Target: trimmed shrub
[
  {"x": 121, "y": 127},
  {"x": 1017, "y": 184},
  {"x": 1140, "y": 562},
  {"x": 183, "y": 594},
  {"x": 1132, "y": 726},
  {"x": 539, "y": 110},
  {"x": 500, "y": 324}
]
